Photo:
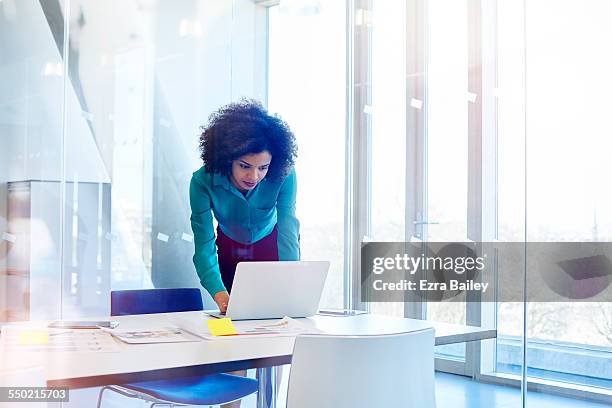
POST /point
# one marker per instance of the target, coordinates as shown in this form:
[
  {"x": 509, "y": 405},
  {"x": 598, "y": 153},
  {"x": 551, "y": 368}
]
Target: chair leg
[
  {"x": 121, "y": 392},
  {"x": 100, "y": 396},
  {"x": 137, "y": 396}
]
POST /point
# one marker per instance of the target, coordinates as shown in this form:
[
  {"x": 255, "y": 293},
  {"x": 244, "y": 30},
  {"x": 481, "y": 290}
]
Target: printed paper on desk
[
  {"x": 28, "y": 338},
  {"x": 286, "y": 327},
  {"x": 153, "y": 335}
]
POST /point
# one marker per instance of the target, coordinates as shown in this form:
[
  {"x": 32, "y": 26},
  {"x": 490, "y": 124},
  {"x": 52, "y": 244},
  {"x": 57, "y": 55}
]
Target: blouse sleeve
[
  {"x": 288, "y": 224},
  {"x": 205, "y": 257}
]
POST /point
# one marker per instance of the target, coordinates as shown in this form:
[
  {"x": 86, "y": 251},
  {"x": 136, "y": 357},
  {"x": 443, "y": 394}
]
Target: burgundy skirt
[{"x": 230, "y": 252}]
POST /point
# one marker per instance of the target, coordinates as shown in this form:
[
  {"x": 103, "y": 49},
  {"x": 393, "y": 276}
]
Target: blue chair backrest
[{"x": 146, "y": 301}]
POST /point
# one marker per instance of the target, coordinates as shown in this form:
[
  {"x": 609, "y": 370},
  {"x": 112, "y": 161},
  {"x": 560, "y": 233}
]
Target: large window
[
  {"x": 307, "y": 87},
  {"x": 445, "y": 149},
  {"x": 566, "y": 171},
  {"x": 386, "y": 134},
  {"x": 475, "y": 96}
]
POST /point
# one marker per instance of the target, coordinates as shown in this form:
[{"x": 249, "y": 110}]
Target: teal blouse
[{"x": 245, "y": 219}]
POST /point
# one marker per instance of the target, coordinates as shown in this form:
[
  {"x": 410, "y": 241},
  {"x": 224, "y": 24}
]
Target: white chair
[{"x": 363, "y": 371}]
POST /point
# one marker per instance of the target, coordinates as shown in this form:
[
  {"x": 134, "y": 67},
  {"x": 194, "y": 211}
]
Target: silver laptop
[{"x": 273, "y": 290}]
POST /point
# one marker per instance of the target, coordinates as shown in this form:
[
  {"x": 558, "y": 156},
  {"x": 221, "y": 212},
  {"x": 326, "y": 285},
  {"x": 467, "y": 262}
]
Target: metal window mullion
[
  {"x": 415, "y": 199},
  {"x": 348, "y": 162},
  {"x": 360, "y": 168},
  {"x": 64, "y": 146},
  {"x": 485, "y": 352},
  {"x": 475, "y": 162},
  {"x": 482, "y": 160},
  {"x": 474, "y": 204}
]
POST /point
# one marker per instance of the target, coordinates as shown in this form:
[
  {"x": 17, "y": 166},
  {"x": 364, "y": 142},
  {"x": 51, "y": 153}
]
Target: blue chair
[{"x": 197, "y": 390}]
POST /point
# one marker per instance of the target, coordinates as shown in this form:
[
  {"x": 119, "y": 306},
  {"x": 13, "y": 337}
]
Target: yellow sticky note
[
  {"x": 221, "y": 327},
  {"x": 33, "y": 337}
]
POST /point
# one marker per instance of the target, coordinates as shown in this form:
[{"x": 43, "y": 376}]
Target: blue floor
[{"x": 455, "y": 391}]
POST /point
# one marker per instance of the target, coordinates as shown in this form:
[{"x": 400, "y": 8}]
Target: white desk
[{"x": 156, "y": 361}]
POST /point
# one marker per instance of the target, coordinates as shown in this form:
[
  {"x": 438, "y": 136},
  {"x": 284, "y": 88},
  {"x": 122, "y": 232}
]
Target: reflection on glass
[
  {"x": 31, "y": 112},
  {"x": 143, "y": 92},
  {"x": 118, "y": 155}
]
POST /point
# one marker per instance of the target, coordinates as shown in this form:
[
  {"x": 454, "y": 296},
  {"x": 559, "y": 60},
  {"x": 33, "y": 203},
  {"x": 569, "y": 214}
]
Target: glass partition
[
  {"x": 143, "y": 93},
  {"x": 568, "y": 168},
  {"x": 100, "y": 137}
]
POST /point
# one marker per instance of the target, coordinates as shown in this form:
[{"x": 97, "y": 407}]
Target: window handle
[
  {"x": 424, "y": 222},
  {"x": 417, "y": 235}
]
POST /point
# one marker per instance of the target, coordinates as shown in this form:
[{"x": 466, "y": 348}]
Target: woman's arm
[
  {"x": 288, "y": 224},
  {"x": 205, "y": 257}
]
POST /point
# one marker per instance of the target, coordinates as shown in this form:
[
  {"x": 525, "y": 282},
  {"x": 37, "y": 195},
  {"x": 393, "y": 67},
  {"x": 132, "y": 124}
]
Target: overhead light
[
  {"x": 300, "y": 8},
  {"x": 363, "y": 17},
  {"x": 53, "y": 69},
  {"x": 190, "y": 28},
  {"x": 104, "y": 59},
  {"x": 9, "y": 9}
]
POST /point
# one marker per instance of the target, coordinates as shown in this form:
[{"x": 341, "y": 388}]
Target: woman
[{"x": 249, "y": 185}]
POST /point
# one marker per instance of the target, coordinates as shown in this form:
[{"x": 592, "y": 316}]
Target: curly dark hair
[{"x": 245, "y": 127}]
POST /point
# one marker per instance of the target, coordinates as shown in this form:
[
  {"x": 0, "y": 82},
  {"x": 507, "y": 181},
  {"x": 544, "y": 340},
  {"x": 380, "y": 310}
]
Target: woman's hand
[{"x": 222, "y": 299}]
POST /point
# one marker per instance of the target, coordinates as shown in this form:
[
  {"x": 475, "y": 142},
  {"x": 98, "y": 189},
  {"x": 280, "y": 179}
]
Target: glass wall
[
  {"x": 100, "y": 137},
  {"x": 550, "y": 188},
  {"x": 569, "y": 137}
]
